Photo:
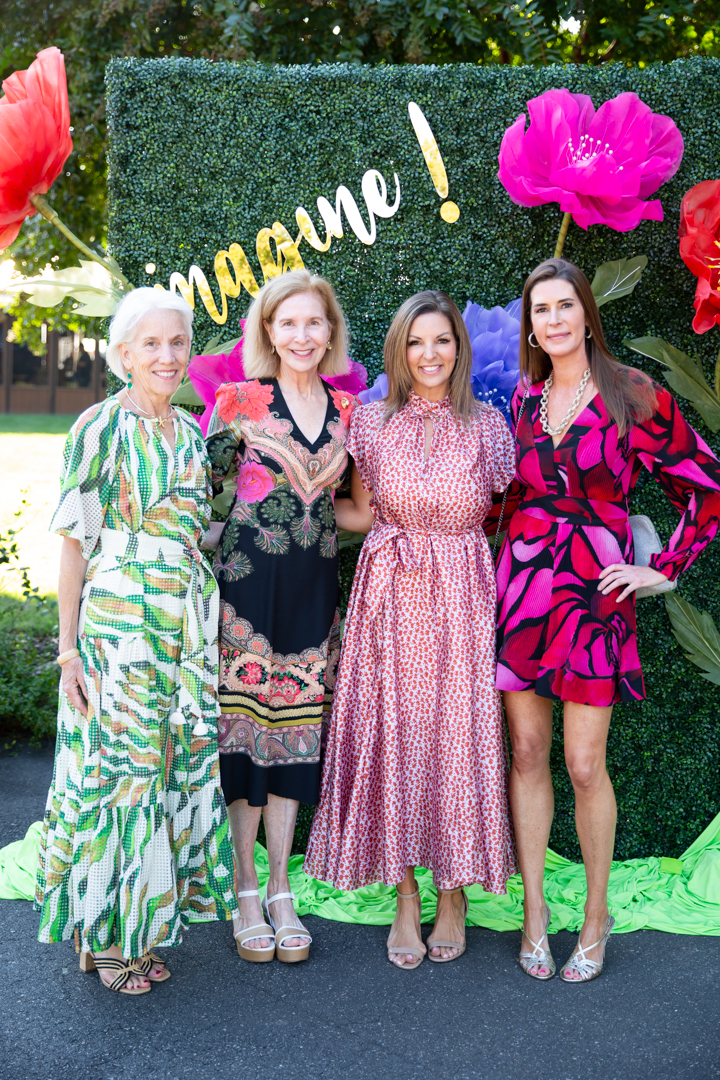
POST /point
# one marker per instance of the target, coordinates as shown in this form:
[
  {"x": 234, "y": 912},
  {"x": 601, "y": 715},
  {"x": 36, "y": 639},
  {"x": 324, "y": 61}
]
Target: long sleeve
[{"x": 689, "y": 473}]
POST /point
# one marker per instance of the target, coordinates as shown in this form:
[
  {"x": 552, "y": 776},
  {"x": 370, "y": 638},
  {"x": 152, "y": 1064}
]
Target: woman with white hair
[
  {"x": 134, "y": 844},
  {"x": 284, "y": 430}
]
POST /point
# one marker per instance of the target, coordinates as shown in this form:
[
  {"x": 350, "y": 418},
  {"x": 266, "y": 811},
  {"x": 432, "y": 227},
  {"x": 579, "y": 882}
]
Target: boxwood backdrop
[{"x": 203, "y": 155}]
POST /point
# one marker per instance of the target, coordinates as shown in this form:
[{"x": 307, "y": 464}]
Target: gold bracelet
[{"x": 69, "y": 655}]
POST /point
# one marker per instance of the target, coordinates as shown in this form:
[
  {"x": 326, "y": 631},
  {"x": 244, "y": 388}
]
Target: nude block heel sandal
[
  {"x": 287, "y": 955},
  {"x": 410, "y": 950},
  {"x": 124, "y": 969},
  {"x": 255, "y": 956},
  {"x": 435, "y": 943}
]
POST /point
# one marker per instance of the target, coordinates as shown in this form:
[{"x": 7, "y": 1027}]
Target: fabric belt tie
[
  {"x": 572, "y": 511},
  {"x": 142, "y": 548}
]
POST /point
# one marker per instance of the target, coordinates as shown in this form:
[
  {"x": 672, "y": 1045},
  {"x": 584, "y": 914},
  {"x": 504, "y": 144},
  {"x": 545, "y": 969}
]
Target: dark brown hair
[
  {"x": 628, "y": 394},
  {"x": 395, "y": 354}
]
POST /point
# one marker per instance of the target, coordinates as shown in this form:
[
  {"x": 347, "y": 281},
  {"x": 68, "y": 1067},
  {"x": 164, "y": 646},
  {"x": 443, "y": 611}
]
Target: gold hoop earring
[{"x": 533, "y": 344}]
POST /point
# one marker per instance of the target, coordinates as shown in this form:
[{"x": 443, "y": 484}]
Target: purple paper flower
[
  {"x": 377, "y": 391},
  {"x": 600, "y": 167},
  {"x": 495, "y": 339}
]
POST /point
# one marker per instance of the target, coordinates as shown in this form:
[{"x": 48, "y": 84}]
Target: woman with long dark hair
[
  {"x": 585, "y": 425},
  {"x": 415, "y": 768}
]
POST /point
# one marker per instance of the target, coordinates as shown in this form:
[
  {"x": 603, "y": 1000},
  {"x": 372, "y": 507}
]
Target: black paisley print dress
[{"x": 277, "y": 568}]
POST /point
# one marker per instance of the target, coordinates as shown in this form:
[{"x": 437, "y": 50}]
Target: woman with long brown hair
[
  {"x": 585, "y": 425},
  {"x": 415, "y": 766}
]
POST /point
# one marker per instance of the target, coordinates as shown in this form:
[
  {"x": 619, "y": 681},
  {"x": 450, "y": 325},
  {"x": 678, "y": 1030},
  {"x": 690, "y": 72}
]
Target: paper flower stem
[
  {"x": 717, "y": 377},
  {"x": 561, "y": 235},
  {"x": 44, "y": 208}
]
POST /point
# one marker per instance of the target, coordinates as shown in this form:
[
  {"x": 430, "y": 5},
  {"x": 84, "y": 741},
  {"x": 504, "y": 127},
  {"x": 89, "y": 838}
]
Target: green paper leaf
[
  {"x": 186, "y": 394},
  {"x": 615, "y": 279},
  {"x": 349, "y": 539},
  {"x": 686, "y": 376},
  {"x": 90, "y": 284},
  {"x": 216, "y": 346},
  {"x": 222, "y": 503},
  {"x": 697, "y": 636}
]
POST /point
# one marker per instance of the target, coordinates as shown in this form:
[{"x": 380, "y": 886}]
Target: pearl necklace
[
  {"x": 160, "y": 419},
  {"x": 571, "y": 411}
]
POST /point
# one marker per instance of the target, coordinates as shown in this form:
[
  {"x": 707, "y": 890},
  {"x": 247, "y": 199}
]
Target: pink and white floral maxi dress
[{"x": 415, "y": 769}]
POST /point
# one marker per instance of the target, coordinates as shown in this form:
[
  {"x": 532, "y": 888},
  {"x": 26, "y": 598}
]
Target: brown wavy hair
[
  {"x": 395, "y": 354},
  {"x": 628, "y": 394}
]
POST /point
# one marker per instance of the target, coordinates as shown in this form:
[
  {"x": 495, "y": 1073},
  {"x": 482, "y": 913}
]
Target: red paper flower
[
  {"x": 700, "y": 249},
  {"x": 254, "y": 482},
  {"x": 35, "y": 138},
  {"x": 344, "y": 403}
]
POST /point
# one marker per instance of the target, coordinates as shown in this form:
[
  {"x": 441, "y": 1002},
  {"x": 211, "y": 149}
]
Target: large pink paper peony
[{"x": 599, "y": 166}]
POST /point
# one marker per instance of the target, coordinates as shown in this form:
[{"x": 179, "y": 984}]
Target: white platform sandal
[
  {"x": 251, "y": 933},
  {"x": 292, "y": 954}
]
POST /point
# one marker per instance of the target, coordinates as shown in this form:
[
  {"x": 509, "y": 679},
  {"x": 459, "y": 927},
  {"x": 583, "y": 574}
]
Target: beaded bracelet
[{"x": 69, "y": 655}]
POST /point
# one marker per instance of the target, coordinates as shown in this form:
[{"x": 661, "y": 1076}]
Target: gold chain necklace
[{"x": 159, "y": 419}]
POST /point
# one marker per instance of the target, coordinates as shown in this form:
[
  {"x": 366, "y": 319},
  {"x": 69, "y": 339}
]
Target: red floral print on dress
[
  {"x": 253, "y": 673},
  {"x": 254, "y": 482},
  {"x": 248, "y": 399},
  {"x": 344, "y": 403}
]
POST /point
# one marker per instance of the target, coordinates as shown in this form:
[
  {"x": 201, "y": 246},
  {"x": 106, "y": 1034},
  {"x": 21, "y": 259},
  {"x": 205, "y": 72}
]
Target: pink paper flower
[
  {"x": 208, "y": 373},
  {"x": 600, "y": 167},
  {"x": 254, "y": 482}
]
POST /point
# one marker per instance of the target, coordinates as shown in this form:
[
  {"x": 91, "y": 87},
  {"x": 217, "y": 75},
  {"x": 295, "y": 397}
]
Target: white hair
[{"x": 130, "y": 312}]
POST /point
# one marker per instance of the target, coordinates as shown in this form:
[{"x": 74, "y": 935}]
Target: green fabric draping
[{"x": 679, "y": 896}]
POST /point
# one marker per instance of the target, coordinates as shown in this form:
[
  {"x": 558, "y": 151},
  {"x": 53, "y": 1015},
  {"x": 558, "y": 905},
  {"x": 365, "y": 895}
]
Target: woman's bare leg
[
  {"x": 244, "y": 821},
  {"x": 532, "y": 801},
  {"x": 449, "y": 922},
  {"x": 586, "y": 732},
  {"x": 280, "y": 816},
  {"x": 405, "y": 929}
]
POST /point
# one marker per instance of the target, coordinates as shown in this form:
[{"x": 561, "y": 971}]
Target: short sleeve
[
  {"x": 90, "y": 463},
  {"x": 357, "y": 444},
  {"x": 499, "y": 448}
]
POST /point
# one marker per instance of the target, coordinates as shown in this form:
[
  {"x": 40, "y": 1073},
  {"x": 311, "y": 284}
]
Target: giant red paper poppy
[
  {"x": 35, "y": 138},
  {"x": 700, "y": 249}
]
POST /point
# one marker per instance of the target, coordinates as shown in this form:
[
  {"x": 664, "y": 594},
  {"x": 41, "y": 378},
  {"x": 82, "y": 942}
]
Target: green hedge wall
[{"x": 206, "y": 154}]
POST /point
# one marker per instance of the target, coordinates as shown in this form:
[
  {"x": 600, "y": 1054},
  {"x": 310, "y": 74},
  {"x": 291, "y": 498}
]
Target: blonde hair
[
  {"x": 259, "y": 358},
  {"x": 395, "y": 354},
  {"x": 130, "y": 312}
]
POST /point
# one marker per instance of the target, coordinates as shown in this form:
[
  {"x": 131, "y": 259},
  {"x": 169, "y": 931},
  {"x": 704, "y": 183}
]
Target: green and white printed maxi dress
[{"x": 135, "y": 841}]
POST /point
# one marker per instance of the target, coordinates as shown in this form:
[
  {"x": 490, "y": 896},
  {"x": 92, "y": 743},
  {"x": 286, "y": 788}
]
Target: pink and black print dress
[
  {"x": 415, "y": 768},
  {"x": 557, "y": 635}
]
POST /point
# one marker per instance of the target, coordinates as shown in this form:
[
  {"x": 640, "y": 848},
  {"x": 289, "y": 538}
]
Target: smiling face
[
  {"x": 300, "y": 331},
  {"x": 431, "y": 355},
  {"x": 157, "y": 356},
  {"x": 558, "y": 318}
]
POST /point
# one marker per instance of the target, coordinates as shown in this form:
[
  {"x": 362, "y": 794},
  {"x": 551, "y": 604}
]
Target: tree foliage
[{"x": 315, "y": 31}]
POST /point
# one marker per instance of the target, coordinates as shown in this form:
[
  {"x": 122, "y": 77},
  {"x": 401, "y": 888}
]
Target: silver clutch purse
[{"x": 647, "y": 543}]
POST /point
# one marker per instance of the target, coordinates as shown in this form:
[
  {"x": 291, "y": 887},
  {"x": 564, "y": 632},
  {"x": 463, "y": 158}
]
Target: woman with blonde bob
[
  {"x": 281, "y": 434},
  {"x": 415, "y": 766}
]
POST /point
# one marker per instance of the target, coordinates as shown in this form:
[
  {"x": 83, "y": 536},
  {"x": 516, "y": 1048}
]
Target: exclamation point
[{"x": 449, "y": 211}]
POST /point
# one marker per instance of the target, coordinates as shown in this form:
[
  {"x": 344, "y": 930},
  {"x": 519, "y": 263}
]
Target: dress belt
[
  {"x": 144, "y": 548},
  {"x": 568, "y": 510}
]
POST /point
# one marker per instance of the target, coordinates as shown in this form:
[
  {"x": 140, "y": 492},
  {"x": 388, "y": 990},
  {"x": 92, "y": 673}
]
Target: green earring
[{"x": 129, "y": 380}]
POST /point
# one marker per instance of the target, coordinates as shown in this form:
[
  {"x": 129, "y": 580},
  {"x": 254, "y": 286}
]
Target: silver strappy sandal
[
  {"x": 587, "y": 969},
  {"x": 539, "y": 956}
]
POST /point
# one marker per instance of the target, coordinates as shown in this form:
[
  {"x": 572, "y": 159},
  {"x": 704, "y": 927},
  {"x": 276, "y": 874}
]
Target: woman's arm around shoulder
[{"x": 354, "y": 514}]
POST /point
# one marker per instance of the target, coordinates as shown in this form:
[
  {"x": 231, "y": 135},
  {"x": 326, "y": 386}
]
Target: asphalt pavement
[{"x": 347, "y": 1014}]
